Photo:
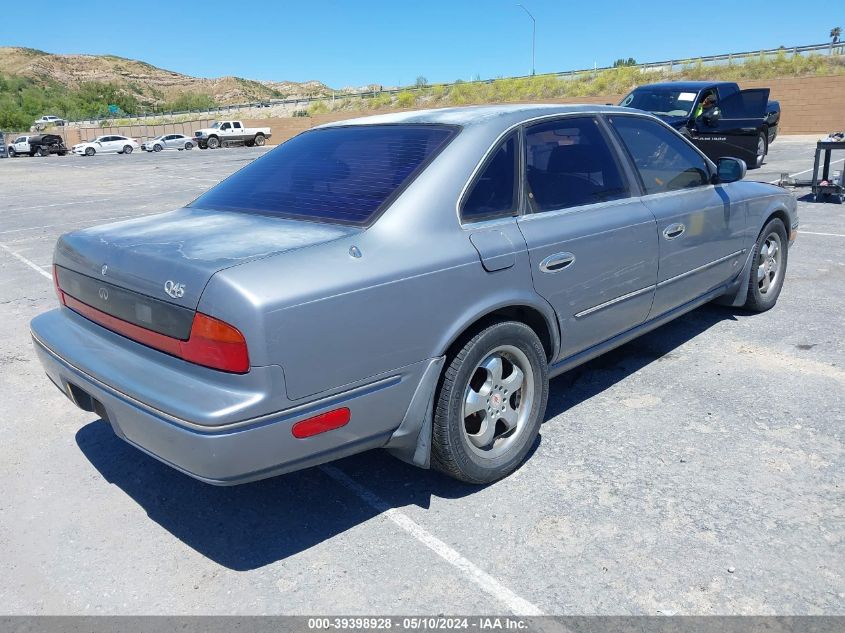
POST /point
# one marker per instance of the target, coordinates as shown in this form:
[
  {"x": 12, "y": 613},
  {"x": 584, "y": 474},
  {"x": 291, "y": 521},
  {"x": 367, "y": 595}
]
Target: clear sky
[{"x": 393, "y": 42}]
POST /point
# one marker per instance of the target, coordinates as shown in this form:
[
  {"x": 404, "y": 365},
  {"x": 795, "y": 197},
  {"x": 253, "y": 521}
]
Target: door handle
[
  {"x": 673, "y": 230},
  {"x": 557, "y": 262}
]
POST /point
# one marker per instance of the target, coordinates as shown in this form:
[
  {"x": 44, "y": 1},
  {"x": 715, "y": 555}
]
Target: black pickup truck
[{"x": 742, "y": 124}]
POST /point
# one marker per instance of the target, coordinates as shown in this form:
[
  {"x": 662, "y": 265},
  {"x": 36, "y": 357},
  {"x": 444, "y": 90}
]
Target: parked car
[
  {"x": 408, "y": 281},
  {"x": 741, "y": 123},
  {"x": 46, "y": 120},
  {"x": 168, "y": 141},
  {"x": 230, "y": 131},
  {"x": 3, "y": 153},
  {"x": 109, "y": 144}
]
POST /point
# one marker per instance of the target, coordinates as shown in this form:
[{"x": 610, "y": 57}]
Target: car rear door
[
  {"x": 592, "y": 243},
  {"x": 700, "y": 229}
]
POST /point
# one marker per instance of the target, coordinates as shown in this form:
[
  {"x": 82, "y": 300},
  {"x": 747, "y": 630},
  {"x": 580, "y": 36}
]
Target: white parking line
[
  {"x": 25, "y": 261},
  {"x": 814, "y": 233},
  {"x": 64, "y": 204},
  {"x": 517, "y": 605},
  {"x": 50, "y": 226},
  {"x": 798, "y": 173}
]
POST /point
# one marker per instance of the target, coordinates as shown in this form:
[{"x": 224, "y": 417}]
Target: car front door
[
  {"x": 592, "y": 243},
  {"x": 735, "y": 129},
  {"x": 700, "y": 229},
  {"x": 21, "y": 145}
]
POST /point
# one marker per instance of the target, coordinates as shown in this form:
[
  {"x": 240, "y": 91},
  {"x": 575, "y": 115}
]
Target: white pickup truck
[{"x": 223, "y": 132}]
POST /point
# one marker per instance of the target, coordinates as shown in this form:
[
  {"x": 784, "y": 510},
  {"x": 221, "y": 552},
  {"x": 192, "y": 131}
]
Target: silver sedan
[
  {"x": 168, "y": 141},
  {"x": 408, "y": 281}
]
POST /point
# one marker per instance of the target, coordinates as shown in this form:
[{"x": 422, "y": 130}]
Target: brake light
[
  {"x": 214, "y": 343},
  {"x": 58, "y": 288},
  {"x": 321, "y": 423}
]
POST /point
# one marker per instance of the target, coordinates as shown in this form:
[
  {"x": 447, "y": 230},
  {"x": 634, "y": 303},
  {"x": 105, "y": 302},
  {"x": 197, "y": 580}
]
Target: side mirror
[
  {"x": 712, "y": 117},
  {"x": 730, "y": 170}
]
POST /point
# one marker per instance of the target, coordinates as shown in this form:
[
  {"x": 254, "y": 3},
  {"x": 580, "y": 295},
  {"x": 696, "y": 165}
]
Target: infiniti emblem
[
  {"x": 104, "y": 294},
  {"x": 104, "y": 269}
]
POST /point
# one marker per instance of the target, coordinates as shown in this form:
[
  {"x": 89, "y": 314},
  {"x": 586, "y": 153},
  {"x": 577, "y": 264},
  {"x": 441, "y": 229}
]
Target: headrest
[{"x": 574, "y": 159}]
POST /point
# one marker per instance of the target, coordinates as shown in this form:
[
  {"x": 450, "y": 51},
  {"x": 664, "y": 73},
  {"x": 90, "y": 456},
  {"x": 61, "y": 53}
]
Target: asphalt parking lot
[{"x": 696, "y": 470}]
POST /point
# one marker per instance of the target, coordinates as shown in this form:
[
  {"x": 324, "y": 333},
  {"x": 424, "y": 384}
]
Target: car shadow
[{"x": 249, "y": 526}]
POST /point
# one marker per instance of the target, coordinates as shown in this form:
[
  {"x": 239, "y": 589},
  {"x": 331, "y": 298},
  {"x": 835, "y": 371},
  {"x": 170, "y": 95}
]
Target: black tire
[
  {"x": 12, "y": 152},
  {"x": 759, "y": 298},
  {"x": 42, "y": 152},
  {"x": 90, "y": 151},
  {"x": 249, "y": 143},
  {"x": 189, "y": 145},
  {"x": 259, "y": 140},
  {"x": 127, "y": 149},
  {"x": 452, "y": 452},
  {"x": 202, "y": 146},
  {"x": 157, "y": 147},
  {"x": 213, "y": 142}
]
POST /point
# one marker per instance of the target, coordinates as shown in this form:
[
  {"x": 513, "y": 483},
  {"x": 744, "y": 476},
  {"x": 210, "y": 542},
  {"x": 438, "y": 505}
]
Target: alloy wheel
[
  {"x": 498, "y": 401},
  {"x": 769, "y": 263}
]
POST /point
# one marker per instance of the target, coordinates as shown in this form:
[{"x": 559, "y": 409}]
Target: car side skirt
[{"x": 620, "y": 339}]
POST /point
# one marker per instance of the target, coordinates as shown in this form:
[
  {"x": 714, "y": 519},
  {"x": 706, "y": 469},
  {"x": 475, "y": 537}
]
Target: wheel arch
[{"x": 538, "y": 317}]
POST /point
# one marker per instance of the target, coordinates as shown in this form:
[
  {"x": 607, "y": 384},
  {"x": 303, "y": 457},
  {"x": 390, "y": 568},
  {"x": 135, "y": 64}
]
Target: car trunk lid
[{"x": 170, "y": 257}]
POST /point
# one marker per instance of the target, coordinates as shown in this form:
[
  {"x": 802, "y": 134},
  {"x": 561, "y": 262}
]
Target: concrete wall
[{"x": 809, "y": 105}]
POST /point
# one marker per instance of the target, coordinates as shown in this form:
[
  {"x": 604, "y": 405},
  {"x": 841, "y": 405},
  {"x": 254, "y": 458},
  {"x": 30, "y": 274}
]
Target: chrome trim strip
[
  {"x": 619, "y": 299},
  {"x": 273, "y": 417},
  {"x": 715, "y": 262}
]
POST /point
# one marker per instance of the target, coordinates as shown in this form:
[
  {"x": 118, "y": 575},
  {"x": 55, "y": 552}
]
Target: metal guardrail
[{"x": 670, "y": 64}]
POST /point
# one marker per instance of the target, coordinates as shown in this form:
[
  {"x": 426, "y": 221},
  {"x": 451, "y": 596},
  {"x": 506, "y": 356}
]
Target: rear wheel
[
  {"x": 157, "y": 147},
  {"x": 768, "y": 267},
  {"x": 127, "y": 149},
  {"x": 490, "y": 404},
  {"x": 41, "y": 151},
  {"x": 189, "y": 145},
  {"x": 762, "y": 150},
  {"x": 259, "y": 140},
  {"x": 213, "y": 142},
  {"x": 90, "y": 151}
]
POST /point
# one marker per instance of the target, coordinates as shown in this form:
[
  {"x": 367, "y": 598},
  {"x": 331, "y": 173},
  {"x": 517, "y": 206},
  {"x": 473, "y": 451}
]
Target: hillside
[{"x": 132, "y": 84}]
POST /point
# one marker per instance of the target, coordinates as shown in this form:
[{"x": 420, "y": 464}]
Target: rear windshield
[{"x": 342, "y": 174}]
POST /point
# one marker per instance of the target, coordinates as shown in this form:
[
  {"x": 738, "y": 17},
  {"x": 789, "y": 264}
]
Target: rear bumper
[{"x": 218, "y": 438}]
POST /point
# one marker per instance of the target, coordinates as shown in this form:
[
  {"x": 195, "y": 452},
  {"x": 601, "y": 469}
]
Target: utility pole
[{"x": 533, "y": 34}]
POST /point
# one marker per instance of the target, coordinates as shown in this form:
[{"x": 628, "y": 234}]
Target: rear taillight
[
  {"x": 58, "y": 288},
  {"x": 212, "y": 343},
  {"x": 216, "y": 344}
]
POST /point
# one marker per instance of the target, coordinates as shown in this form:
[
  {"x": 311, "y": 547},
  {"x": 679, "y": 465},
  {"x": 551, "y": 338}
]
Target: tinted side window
[
  {"x": 569, "y": 163},
  {"x": 494, "y": 191},
  {"x": 665, "y": 161}
]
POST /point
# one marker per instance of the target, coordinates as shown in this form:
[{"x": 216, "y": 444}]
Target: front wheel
[
  {"x": 213, "y": 142},
  {"x": 12, "y": 152},
  {"x": 490, "y": 404},
  {"x": 90, "y": 151},
  {"x": 157, "y": 147},
  {"x": 768, "y": 267}
]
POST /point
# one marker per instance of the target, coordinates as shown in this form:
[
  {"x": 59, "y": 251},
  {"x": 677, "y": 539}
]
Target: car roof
[
  {"x": 684, "y": 85},
  {"x": 487, "y": 115}
]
